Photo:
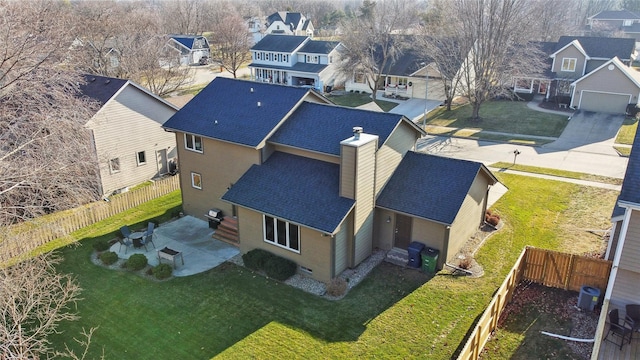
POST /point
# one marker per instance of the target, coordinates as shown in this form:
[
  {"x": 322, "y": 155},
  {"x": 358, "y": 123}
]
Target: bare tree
[
  {"x": 34, "y": 299},
  {"x": 369, "y": 41},
  {"x": 489, "y": 33},
  {"x": 187, "y": 17},
  {"x": 125, "y": 40},
  {"x": 231, "y": 42}
]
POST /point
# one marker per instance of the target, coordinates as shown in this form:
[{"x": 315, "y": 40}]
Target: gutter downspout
[{"x": 607, "y": 295}]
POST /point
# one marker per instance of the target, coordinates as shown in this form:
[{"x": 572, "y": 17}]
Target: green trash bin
[{"x": 429, "y": 260}]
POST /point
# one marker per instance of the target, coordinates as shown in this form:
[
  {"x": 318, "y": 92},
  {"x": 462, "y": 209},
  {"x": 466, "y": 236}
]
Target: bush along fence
[
  {"x": 14, "y": 242},
  {"x": 545, "y": 267}
]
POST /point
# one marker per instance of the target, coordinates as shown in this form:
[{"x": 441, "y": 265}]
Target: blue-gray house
[{"x": 320, "y": 184}]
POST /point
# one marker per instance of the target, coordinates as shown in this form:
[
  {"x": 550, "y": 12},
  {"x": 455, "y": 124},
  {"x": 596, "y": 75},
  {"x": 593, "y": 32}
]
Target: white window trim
[
  {"x": 111, "y": 169},
  {"x": 193, "y": 183},
  {"x": 138, "y": 158},
  {"x": 275, "y": 234},
  {"x": 575, "y": 64},
  {"x": 193, "y": 140}
]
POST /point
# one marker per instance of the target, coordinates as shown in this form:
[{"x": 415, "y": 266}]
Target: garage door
[{"x": 603, "y": 102}]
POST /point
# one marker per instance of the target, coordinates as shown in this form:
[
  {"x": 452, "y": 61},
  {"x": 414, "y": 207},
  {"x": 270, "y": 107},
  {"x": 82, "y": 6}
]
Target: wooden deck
[{"x": 609, "y": 350}]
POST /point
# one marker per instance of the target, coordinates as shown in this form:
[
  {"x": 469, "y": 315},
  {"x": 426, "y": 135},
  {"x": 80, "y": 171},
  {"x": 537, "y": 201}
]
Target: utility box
[
  {"x": 414, "y": 253},
  {"x": 429, "y": 260},
  {"x": 588, "y": 298}
]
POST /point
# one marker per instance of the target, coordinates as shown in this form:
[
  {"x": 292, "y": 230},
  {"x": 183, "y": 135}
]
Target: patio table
[{"x": 136, "y": 237}]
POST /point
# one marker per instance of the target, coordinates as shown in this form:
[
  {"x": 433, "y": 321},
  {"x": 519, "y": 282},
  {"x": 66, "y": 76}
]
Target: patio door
[{"x": 403, "y": 232}]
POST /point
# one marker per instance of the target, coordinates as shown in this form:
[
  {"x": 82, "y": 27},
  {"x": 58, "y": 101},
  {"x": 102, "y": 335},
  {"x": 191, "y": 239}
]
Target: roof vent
[
  {"x": 107, "y": 81},
  {"x": 251, "y": 89},
  {"x": 357, "y": 130},
  {"x": 259, "y": 104},
  {"x": 216, "y": 122}
]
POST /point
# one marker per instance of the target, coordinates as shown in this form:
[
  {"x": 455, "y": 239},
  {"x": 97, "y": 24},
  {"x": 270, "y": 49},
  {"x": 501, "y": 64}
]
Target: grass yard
[
  {"x": 627, "y": 131},
  {"x": 357, "y": 99},
  {"x": 230, "y": 312},
  {"x": 557, "y": 172},
  {"x": 500, "y": 116}
]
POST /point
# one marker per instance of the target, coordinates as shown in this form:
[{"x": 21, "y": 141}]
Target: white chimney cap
[{"x": 357, "y": 129}]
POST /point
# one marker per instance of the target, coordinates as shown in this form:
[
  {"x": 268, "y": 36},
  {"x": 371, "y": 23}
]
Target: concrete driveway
[{"x": 589, "y": 132}]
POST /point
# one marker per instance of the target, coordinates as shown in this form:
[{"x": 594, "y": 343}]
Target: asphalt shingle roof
[
  {"x": 101, "y": 88},
  {"x": 407, "y": 63},
  {"x": 630, "y": 191},
  {"x": 186, "y": 40},
  {"x": 616, "y": 15},
  {"x": 294, "y": 188},
  {"x": 428, "y": 186},
  {"x": 279, "y": 43},
  {"x": 321, "y": 128},
  {"x": 319, "y": 47},
  {"x": 600, "y": 47},
  {"x": 227, "y": 110}
]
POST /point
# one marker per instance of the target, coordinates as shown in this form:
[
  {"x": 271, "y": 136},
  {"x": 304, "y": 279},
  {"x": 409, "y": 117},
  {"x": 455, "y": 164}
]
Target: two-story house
[
  {"x": 319, "y": 184},
  {"x": 624, "y": 250},
  {"x": 615, "y": 22},
  {"x": 289, "y": 23},
  {"x": 295, "y": 61},
  {"x": 589, "y": 73},
  {"x": 128, "y": 139},
  {"x": 256, "y": 28},
  {"x": 189, "y": 48}
]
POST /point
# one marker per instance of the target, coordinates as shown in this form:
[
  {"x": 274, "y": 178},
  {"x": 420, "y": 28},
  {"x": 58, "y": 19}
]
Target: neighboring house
[
  {"x": 189, "y": 49},
  {"x": 289, "y": 23},
  {"x": 296, "y": 61},
  {"x": 256, "y": 29},
  {"x": 411, "y": 75},
  {"x": 615, "y": 22},
  {"x": 588, "y": 73},
  {"x": 130, "y": 144},
  {"x": 319, "y": 184},
  {"x": 624, "y": 247}
]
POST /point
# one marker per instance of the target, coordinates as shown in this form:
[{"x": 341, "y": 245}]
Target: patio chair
[
  {"x": 126, "y": 242},
  {"x": 148, "y": 236},
  {"x": 623, "y": 330},
  {"x": 124, "y": 230},
  {"x": 633, "y": 314}
]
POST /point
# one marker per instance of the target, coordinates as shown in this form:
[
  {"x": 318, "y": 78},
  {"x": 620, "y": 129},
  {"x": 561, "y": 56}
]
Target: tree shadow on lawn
[{"x": 202, "y": 315}]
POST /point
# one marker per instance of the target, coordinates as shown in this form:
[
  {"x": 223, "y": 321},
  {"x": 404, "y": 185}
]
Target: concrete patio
[{"x": 192, "y": 237}]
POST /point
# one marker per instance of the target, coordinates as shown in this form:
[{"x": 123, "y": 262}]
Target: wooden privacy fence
[
  {"x": 43, "y": 230},
  {"x": 549, "y": 268}
]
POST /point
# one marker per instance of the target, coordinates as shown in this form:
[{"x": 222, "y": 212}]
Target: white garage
[{"x": 604, "y": 102}]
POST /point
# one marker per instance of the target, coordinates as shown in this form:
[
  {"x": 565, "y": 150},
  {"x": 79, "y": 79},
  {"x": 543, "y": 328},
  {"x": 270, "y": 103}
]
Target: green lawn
[
  {"x": 500, "y": 116},
  {"x": 627, "y": 131},
  {"x": 232, "y": 313},
  {"x": 557, "y": 172},
  {"x": 357, "y": 99}
]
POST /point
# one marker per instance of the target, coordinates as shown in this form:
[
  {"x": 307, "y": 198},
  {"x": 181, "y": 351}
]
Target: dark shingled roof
[
  {"x": 406, "y": 64},
  {"x": 186, "y": 40},
  {"x": 601, "y": 47},
  {"x": 630, "y": 191},
  {"x": 439, "y": 198},
  {"x": 101, "y": 88},
  {"x": 321, "y": 128},
  {"x": 231, "y": 103},
  {"x": 319, "y": 47},
  {"x": 279, "y": 43},
  {"x": 297, "y": 189}
]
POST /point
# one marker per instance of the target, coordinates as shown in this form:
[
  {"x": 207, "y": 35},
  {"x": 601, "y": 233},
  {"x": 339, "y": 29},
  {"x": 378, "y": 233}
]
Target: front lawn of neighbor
[
  {"x": 512, "y": 117},
  {"x": 230, "y": 312}
]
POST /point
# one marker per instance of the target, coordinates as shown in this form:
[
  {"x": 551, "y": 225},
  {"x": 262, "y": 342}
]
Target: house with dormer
[
  {"x": 289, "y": 23},
  {"x": 295, "y": 61},
  {"x": 319, "y": 184},
  {"x": 189, "y": 49},
  {"x": 588, "y": 73}
]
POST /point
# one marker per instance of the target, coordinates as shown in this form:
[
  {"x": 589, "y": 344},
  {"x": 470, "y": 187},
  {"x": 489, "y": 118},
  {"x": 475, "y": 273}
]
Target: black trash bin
[
  {"x": 429, "y": 260},
  {"x": 414, "y": 253}
]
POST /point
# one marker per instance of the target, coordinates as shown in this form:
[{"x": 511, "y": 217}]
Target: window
[
  {"x": 312, "y": 59},
  {"x": 196, "y": 180},
  {"x": 193, "y": 142},
  {"x": 114, "y": 165},
  {"x": 281, "y": 233},
  {"x": 141, "y": 158},
  {"x": 569, "y": 64},
  {"x": 330, "y": 59},
  {"x": 358, "y": 78}
]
